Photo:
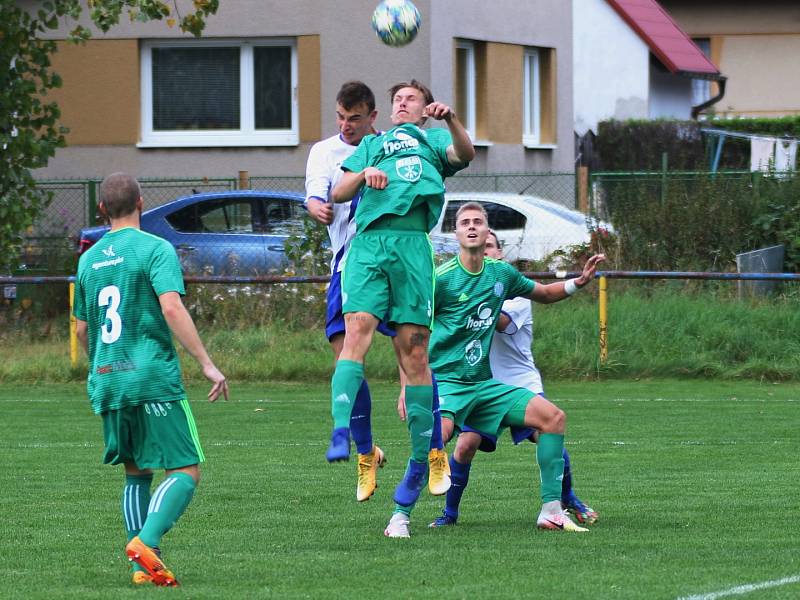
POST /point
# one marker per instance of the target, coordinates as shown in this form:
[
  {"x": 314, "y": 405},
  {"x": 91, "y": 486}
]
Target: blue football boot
[{"x": 339, "y": 449}]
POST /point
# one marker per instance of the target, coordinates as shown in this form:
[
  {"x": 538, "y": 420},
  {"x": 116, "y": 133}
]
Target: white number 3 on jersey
[{"x": 111, "y": 329}]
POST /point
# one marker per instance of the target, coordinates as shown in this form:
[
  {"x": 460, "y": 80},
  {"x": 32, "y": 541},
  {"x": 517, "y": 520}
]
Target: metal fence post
[
  {"x": 91, "y": 203},
  {"x": 73, "y": 329},
  {"x": 583, "y": 190},
  {"x": 603, "y": 307}
]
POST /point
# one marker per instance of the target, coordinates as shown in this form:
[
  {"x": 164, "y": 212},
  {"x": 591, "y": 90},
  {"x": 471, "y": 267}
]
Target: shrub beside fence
[{"x": 682, "y": 221}]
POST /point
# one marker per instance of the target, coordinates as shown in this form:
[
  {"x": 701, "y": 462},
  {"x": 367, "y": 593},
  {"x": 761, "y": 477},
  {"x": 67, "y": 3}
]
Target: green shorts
[
  {"x": 486, "y": 406},
  {"x": 389, "y": 274},
  {"x": 155, "y": 435}
]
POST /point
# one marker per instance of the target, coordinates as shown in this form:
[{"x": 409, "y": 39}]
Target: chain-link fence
[
  {"x": 649, "y": 221},
  {"x": 697, "y": 221},
  {"x": 246, "y": 233}
]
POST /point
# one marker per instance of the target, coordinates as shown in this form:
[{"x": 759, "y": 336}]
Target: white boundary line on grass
[{"x": 744, "y": 589}]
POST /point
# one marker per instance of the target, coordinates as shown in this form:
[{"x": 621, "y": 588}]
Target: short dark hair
[
  {"x": 417, "y": 85},
  {"x": 353, "y": 93},
  {"x": 497, "y": 241},
  {"x": 119, "y": 193}
]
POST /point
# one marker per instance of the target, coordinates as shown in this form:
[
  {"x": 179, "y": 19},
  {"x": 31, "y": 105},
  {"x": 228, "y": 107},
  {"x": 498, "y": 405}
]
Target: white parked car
[{"x": 529, "y": 227}]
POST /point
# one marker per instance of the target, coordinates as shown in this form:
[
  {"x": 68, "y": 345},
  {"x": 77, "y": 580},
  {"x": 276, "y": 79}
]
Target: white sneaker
[
  {"x": 557, "y": 520},
  {"x": 398, "y": 526}
]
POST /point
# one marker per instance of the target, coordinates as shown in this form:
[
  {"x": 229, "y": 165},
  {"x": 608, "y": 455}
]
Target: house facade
[
  {"x": 258, "y": 88},
  {"x": 756, "y": 43},
  {"x": 648, "y": 67}
]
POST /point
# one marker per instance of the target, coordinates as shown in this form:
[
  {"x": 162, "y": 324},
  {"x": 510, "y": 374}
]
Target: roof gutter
[{"x": 721, "y": 80}]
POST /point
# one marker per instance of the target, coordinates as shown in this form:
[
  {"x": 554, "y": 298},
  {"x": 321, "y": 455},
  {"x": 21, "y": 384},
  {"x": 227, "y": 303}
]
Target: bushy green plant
[
  {"x": 309, "y": 252},
  {"x": 680, "y": 222},
  {"x": 779, "y": 221}
]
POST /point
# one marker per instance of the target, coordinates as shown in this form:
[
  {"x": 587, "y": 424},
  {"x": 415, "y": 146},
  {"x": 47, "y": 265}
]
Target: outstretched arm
[{"x": 555, "y": 292}]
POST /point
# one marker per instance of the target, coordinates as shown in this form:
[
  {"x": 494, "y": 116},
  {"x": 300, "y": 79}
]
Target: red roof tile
[{"x": 676, "y": 51}]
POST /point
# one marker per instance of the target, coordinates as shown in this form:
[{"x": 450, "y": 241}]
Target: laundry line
[{"x": 766, "y": 151}]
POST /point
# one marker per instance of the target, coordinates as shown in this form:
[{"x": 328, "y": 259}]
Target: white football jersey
[
  {"x": 510, "y": 355},
  {"x": 322, "y": 173}
]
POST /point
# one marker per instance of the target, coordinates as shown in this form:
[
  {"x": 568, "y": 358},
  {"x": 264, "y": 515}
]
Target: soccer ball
[{"x": 396, "y": 22}]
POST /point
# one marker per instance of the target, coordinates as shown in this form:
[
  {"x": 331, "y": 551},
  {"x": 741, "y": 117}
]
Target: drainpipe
[{"x": 696, "y": 110}]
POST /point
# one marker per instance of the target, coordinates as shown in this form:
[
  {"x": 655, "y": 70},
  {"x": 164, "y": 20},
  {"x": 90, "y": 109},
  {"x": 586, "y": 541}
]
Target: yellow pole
[
  {"x": 73, "y": 329},
  {"x": 603, "y": 305}
]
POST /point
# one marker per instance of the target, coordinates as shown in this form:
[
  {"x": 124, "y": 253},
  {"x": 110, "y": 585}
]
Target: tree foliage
[{"x": 29, "y": 129}]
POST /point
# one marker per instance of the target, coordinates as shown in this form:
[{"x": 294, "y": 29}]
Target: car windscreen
[{"x": 501, "y": 218}]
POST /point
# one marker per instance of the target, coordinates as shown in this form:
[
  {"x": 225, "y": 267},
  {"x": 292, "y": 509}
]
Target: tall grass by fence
[{"x": 667, "y": 329}]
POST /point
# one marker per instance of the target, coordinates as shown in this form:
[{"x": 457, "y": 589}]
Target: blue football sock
[
  {"x": 361, "y": 420},
  {"x": 436, "y": 437},
  {"x": 459, "y": 477},
  {"x": 566, "y": 483}
]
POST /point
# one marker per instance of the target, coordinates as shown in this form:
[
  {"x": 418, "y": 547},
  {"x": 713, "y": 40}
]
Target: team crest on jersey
[
  {"x": 499, "y": 288},
  {"x": 409, "y": 168},
  {"x": 473, "y": 352}
]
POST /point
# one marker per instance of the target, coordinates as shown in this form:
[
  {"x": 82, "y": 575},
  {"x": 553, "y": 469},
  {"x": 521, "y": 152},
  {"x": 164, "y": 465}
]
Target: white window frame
[
  {"x": 468, "y": 120},
  {"x": 247, "y": 134},
  {"x": 531, "y": 103}
]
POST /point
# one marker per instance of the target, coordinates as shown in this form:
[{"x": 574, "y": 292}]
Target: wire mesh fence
[
  {"x": 700, "y": 221},
  {"x": 666, "y": 221},
  {"x": 247, "y": 232}
]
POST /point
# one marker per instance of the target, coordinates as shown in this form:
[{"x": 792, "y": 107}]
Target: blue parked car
[
  {"x": 231, "y": 233},
  {"x": 223, "y": 233}
]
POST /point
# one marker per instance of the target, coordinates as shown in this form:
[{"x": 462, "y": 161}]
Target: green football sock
[
  {"x": 406, "y": 510},
  {"x": 345, "y": 384},
  {"x": 550, "y": 456},
  {"x": 419, "y": 400},
  {"x": 135, "y": 499},
  {"x": 166, "y": 506}
]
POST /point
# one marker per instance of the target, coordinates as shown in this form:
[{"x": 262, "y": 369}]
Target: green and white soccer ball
[{"x": 396, "y": 22}]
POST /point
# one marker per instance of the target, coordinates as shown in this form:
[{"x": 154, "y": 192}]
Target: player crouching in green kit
[
  {"x": 470, "y": 291},
  {"x": 127, "y": 304},
  {"x": 388, "y": 274}
]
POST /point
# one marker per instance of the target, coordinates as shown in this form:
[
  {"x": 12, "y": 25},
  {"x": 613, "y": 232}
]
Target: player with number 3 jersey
[{"x": 127, "y": 305}]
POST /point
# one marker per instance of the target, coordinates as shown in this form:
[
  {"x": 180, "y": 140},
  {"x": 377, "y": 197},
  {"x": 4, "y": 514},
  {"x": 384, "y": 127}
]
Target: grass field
[{"x": 695, "y": 482}]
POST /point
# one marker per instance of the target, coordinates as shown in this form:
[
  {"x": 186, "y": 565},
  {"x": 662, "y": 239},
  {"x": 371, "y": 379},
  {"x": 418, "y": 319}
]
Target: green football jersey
[
  {"x": 415, "y": 163},
  {"x": 132, "y": 359},
  {"x": 465, "y": 314}
]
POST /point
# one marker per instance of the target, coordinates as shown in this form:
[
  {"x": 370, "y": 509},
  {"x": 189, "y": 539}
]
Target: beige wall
[
  {"x": 762, "y": 75},
  {"x": 756, "y": 44},
  {"x": 703, "y": 18},
  {"x": 99, "y": 100},
  {"x": 335, "y": 43},
  {"x": 503, "y": 108},
  {"x": 309, "y": 88}
]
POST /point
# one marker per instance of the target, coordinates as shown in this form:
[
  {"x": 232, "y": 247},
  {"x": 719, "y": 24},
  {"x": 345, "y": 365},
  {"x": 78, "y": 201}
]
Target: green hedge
[{"x": 638, "y": 145}]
